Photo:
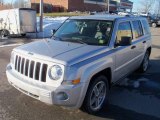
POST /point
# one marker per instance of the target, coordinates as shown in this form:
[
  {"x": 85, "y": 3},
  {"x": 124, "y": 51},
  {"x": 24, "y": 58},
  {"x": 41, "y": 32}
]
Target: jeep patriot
[{"x": 84, "y": 57}]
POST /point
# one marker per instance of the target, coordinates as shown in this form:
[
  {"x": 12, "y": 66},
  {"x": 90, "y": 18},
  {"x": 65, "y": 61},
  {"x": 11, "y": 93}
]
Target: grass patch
[{"x": 60, "y": 14}]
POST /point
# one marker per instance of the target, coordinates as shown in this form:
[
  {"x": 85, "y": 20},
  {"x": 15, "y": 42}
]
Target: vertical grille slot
[
  {"x": 22, "y": 65},
  {"x": 16, "y": 62},
  {"x": 37, "y": 71},
  {"x": 44, "y": 72},
  {"x": 26, "y": 67},
  {"x": 31, "y": 69},
  {"x": 19, "y": 62}
]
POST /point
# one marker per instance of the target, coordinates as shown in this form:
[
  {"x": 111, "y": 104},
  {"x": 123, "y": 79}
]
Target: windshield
[{"x": 91, "y": 32}]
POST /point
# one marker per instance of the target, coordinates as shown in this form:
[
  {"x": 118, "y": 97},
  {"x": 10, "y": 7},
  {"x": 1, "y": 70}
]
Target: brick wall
[
  {"x": 73, "y": 5},
  {"x": 58, "y": 5},
  {"x": 79, "y": 5}
]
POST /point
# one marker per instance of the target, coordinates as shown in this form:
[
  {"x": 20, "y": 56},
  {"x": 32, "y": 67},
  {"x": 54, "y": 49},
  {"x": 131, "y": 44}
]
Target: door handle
[
  {"x": 133, "y": 47},
  {"x": 144, "y": 41}
]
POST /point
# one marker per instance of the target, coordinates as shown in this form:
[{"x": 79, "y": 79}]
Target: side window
[
  {"x": 146, "y": 27},
  {"x": 138, "y": 31},
  {"x": 124, "y": 30}
]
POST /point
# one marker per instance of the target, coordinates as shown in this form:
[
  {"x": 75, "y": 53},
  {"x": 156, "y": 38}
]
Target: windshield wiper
[
  {"x": 69, "y": 40},
  {"x": 57, "y": 38},
  {"x": 74, "y": 40}
]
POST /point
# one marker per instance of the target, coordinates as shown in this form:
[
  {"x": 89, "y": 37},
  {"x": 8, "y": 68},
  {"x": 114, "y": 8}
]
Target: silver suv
[{"x": 78, "y": 65}]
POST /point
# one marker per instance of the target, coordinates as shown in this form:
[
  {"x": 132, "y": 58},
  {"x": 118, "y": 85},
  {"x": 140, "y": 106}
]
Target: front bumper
[{"x": 65, "y": 95}]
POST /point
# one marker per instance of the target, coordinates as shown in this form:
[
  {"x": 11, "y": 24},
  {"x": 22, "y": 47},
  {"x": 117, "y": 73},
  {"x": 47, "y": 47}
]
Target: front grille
[{"x": 30, "y": 68}]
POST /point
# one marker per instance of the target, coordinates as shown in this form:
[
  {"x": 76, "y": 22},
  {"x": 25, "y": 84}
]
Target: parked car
[
  {"x": 17, "y": 22},
  {"x": 153, "y": 21},
  {"x": 79, "y": 64},
  {"x": 123, "y": 13}
]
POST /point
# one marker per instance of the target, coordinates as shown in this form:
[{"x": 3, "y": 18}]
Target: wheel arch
[
  {"x": 106, "y": 72},
  {"x": 149, "y": 49}
]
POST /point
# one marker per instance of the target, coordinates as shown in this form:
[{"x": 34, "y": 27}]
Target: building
[
  {"x": 82, "y": 5},
  {"x": 123, "y": 5}
]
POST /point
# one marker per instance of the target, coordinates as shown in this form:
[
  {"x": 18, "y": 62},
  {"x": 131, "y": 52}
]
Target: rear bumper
[{"x": 64, "y": 95}]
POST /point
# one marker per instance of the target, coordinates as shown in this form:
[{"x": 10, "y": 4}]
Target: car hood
[{"x": 59, "y": 51}]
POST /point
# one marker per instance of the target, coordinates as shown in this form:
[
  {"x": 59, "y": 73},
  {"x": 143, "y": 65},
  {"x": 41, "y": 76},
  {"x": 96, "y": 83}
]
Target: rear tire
[
  {"x": 97, "y": 95},
  {"x": 145, "y": 63},
  {"x": 4, "y": 34},
  {"x": 23, "y": 35}
]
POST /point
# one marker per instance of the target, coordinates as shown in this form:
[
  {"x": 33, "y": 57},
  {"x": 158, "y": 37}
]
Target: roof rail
[{"x": 129, "y": 15}]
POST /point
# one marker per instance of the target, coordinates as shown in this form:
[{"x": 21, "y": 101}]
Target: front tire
[
  {"x": 154, "y": 25},
  {"x": 97, "y": 95}
]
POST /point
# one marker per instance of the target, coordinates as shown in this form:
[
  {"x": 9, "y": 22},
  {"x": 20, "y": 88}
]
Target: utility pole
[
  {"x": 41, "y": 16},
  {"x": 108, "y": 5}
]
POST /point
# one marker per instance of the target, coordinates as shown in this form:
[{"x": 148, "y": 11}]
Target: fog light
[
  {"x": 62, "y": 96},
  {"x": 9, "y": 67}
]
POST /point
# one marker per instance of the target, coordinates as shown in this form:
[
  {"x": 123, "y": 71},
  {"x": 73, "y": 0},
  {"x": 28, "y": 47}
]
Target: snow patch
[{"x": 49, "y": 23}]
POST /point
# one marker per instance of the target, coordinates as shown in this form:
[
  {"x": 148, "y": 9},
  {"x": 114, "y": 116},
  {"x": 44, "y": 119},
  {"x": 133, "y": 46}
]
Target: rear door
[
  {"x": 27, "y": 20},
  {"x": 124, "y": 54},
  {"x": 138, "y": 43}
]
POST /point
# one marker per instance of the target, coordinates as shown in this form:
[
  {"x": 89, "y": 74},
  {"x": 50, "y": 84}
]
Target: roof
[{"x": 104, "y": 17}]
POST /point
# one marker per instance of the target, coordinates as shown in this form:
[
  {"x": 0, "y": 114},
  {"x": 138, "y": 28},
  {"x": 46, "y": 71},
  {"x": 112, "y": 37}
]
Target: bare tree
[
  {"x": 146, "y": 5},
  {"x": 19, "y": 3},
  {"x": 1, "y": 2},
  {"x": 157, "y": 8}
]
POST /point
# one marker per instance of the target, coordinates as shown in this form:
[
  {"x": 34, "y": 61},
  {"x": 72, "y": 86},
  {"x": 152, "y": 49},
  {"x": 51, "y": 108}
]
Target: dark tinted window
[
  {"x": 124, "y": 30},
  {"x": 138, "y": 31},
  {"x": 146, "y": 27}
]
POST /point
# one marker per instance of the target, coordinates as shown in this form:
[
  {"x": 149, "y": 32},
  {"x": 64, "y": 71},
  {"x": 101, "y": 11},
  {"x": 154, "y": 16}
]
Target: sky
[
  {"x": 135, "y": 4},
  {"x": 9, "y": 1}
]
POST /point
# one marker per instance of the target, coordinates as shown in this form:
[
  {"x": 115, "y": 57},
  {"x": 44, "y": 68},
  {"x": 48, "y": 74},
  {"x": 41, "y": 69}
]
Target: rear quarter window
[
  {"x": 146, "y": 27},
  {"x": 138, "y": 31}
]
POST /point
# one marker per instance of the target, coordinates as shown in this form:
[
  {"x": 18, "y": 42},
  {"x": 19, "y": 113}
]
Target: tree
[
  {"x": 147, "y": 5},
  {"x": 157, "y": 7},
  {"x": 1, "y": 2},
  {"x": 19, "y": 3}
]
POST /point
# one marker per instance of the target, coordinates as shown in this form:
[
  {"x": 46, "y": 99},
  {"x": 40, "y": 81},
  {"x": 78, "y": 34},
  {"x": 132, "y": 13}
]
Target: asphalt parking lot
[{"x": 136, "y": 98}]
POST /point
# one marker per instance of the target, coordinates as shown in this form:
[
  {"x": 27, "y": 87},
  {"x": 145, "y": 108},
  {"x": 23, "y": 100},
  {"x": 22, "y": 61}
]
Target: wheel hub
[{"x": 98, "y": 96}]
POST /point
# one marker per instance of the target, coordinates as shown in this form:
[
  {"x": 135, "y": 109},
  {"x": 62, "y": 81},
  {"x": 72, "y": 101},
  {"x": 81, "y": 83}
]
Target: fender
[{"x": 92, "y": 70}]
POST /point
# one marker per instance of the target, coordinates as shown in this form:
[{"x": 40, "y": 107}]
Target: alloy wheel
[{"x": 98, "y": 96}]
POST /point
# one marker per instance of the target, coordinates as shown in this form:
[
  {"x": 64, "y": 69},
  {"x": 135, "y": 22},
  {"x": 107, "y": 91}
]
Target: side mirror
[
  {"x": 53, "y": 32},
  {"x": 125, "y": 41}
]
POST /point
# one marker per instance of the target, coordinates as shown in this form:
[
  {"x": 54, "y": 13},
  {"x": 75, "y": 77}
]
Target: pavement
[{"x": 136, "y": 98}]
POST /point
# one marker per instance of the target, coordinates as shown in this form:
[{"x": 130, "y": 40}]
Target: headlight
[{"x": 55, "y": 72}]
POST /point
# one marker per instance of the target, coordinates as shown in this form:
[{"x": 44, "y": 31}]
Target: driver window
[{"x": 124, "y": 30}]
